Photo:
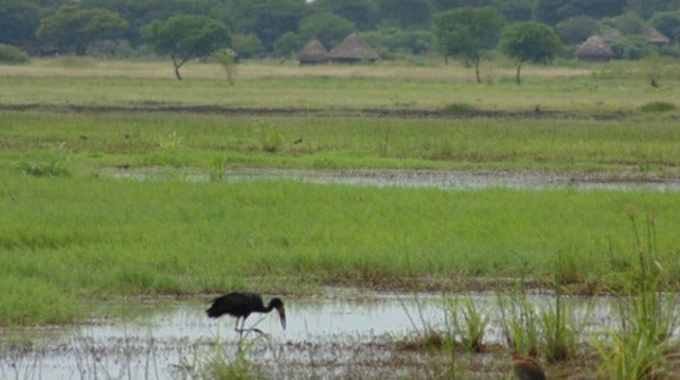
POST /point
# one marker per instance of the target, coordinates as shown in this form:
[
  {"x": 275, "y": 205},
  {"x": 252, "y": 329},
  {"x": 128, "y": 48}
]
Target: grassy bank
[
  {"x": 579, "y": 89},
  {"x": 68, "y": 238}
]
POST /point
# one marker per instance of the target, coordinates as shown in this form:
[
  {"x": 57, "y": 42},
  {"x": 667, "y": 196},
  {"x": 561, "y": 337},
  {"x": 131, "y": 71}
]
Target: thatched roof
[
  {"x": 353, "y": 48},
  {"x": 594, "y": 49},
  {"x": 313, "y": 52},
  {"x": 612, "y": 35},
  {"x": 654, "y": 36}
]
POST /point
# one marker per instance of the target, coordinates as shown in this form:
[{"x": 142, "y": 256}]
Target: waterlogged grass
[
  {"x": 84, "y": 237},
  {"x": 84, "y": 142}
]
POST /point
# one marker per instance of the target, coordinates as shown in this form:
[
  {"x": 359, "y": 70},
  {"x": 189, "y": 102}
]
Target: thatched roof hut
[
  {"x": 313, "y": 52},
  {"x": 594, "y": 49},
  {"x": 612, "y": 35},
  {"x": 654, "y": 36},
  {"x": 353, "y": 49}
]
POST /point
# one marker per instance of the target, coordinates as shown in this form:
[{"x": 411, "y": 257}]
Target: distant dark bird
[
  {"x": 82, "y": 137},
  {"x": 298, "y": 141},
  {"x": 527, "y": 368},
  {"x": 241, "y": 305}
]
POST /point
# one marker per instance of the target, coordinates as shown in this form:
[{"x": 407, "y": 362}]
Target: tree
[
  {"x": 577, "y": 29},
  {"x": 329, "y": 28},
  {"x": 288, "y": 44},
  {"x": 72, "y": 26},
  {"x": 467, "y": 32},
  {"x": 407, "y": 14},
  {"x": 363, "y": 13},
  {"x": 19, "y": 21},
  {"x": 186, "y": 37},
  {"x": 553, "y": 11},
  {"x": 667, "y": 23},
  {"x": 268, "y": 19},
  {"x": 530, "y": 41}
]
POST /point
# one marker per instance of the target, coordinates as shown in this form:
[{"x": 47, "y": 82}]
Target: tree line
[{"x": 281, "y": 27}]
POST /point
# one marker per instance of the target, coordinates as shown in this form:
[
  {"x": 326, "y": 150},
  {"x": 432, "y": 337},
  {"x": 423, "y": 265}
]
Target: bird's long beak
[{"x": 282, "y": 316}]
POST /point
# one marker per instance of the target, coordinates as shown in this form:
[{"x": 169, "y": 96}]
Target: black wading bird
[{"x": 240, "y": 305}]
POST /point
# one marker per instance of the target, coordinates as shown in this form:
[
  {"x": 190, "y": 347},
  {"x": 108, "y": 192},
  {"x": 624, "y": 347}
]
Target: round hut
[
  {"x": 353, "y": 49},
  {"x": 313, "y": 53},
  {"x": 594, "y": 49},
  {"x": 654, "y": 36}
]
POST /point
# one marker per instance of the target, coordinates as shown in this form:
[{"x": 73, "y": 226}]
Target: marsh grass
[
  {"x": 176, "y": 140},
  {"x": 469, "y": 323},
  {"x": 520, "y": 321},
  {"x": 642, "y": 347},
  {"x": 91, "y": 236}
]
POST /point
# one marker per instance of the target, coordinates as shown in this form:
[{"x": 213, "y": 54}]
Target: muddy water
[
  {"x": 535, "y": 180},
  {"x": 326, "y": 337}
]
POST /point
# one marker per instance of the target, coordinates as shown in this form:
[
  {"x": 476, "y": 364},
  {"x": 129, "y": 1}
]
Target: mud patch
[{"x": 162, "y": 107}]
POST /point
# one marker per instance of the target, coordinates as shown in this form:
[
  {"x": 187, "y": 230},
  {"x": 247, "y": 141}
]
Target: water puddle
[
  {"x": 532, "y": 180},
  {"x": 325, "y": 337}
]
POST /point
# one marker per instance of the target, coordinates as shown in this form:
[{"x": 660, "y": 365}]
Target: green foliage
[
  {"x": 668, "y": 23},
  {"x": 467, "y": 32},
  {"x": 577, "y": 29},
  {"x": 554, "y": 11},
  {"x": 228, "y": 61},
  {"x": 520, "y": 322},
  {"x": 407, "y": 14},
  {"x": 469, "y": 323},
  {"x": 72, "y": 26},
  {"x": 627, "y": 23},
  {"x": 329, "y": 28},
  {"x": 530, "y": 42},
  {"x": 18, "y": 22},
  {"x": 187, "y": 37},
  {"x": 247, "y": 45},
  {"x": 632, "y": 48},
  {"x": 363, "y": 13},
  {"x": 12, "y": 55},
  {"x": 641, "y": 347},
  {"x": 390, "y": 41},
  {"x": 288, "y": 45}
]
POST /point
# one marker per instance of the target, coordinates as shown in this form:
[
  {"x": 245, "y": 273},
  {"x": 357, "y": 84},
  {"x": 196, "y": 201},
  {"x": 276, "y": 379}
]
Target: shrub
[
  {"x": 12, "y": 54},
  {"x": 632, "y": 48},
  {"x": 247, "y": 45}
]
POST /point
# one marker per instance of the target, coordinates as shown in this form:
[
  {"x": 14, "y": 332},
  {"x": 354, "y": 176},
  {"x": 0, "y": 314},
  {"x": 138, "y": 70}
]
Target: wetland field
[{"x": 416, "y": 224}]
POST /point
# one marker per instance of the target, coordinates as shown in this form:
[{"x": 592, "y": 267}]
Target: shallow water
[
  {"x": 325, "y": 337},
  {"x": 462, "y": 179}
]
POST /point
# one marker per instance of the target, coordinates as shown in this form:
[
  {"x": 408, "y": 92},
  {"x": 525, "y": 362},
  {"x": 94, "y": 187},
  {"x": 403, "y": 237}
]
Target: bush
[
  {"x": 247, "y": 45},
  {"x": 632, "y": 48},
  {"x": 389, "y": 41},
  {"x": 12, "y": 55},
  {"x": 576, "y": 29}
]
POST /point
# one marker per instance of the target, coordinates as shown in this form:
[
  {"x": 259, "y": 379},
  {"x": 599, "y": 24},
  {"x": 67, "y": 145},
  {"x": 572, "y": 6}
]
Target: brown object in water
[{"x": 527, "y": 368}]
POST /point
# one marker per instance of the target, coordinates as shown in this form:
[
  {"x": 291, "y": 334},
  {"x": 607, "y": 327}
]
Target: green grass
[
  {"x": 578, "y": 90},
  {"x": 87, "y": 142},
  {"x": 85, "y": 237}
]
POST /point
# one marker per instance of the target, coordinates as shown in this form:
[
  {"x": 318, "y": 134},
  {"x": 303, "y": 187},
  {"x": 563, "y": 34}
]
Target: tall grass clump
[
  {"x": 641, "y": 347},
  {"x": 469, "y": 323},
  {"x": 519, "y": 321}
]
